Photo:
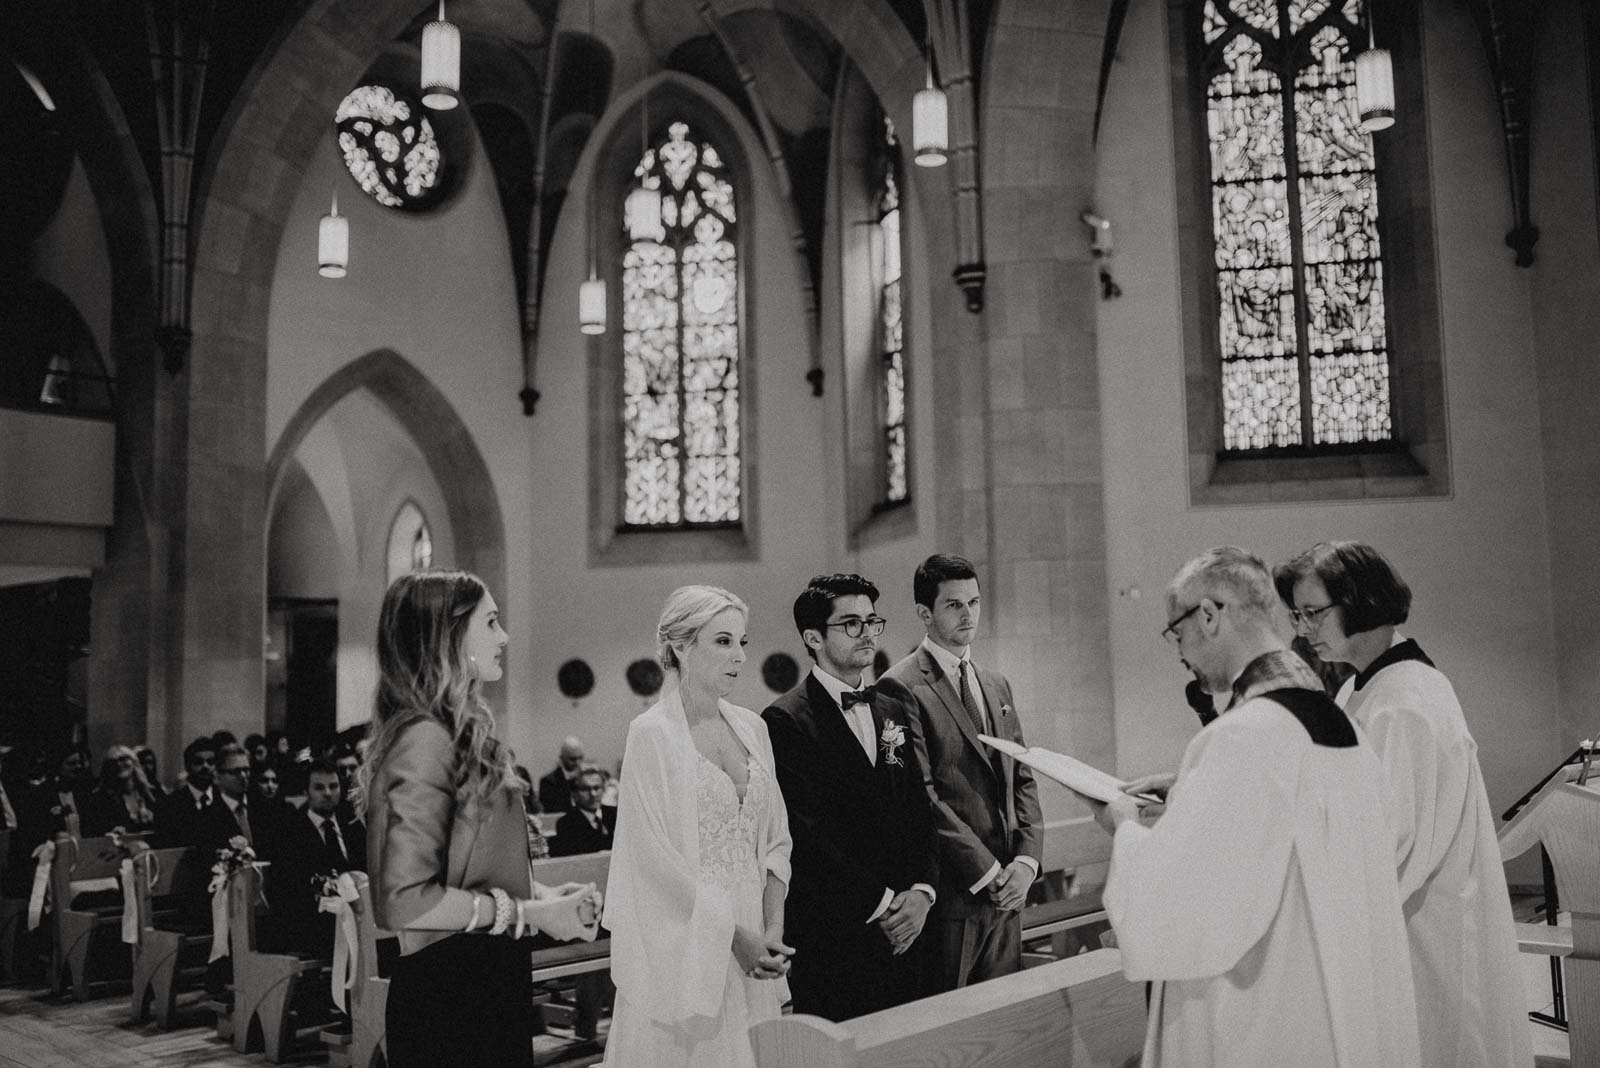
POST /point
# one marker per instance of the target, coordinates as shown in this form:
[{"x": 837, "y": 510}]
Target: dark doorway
[
  {"x": 44, "y": 632},
  {"x": 302, "y": 673}
]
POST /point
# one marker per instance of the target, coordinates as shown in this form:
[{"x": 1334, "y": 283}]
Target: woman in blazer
[{"x": 448, "y": 848}]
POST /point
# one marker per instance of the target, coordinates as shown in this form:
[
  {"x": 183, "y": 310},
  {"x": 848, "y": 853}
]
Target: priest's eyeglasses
[
  {"x": 853, "y": 628},
  {"x": 1309, "y": 618},
  {"x": 1170, "y": 631}
]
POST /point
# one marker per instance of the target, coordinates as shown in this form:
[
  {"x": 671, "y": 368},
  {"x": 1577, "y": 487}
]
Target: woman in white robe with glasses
[{"x": 1347, "y": 601}]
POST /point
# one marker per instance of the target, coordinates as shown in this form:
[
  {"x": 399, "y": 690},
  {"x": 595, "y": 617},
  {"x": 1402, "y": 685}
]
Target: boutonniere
[
  {"x": 892, "y": 738},
  {"x": 1005, "y": 710}
]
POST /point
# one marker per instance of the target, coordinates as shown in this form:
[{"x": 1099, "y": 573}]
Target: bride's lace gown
[{"x": 729, "y": 830}]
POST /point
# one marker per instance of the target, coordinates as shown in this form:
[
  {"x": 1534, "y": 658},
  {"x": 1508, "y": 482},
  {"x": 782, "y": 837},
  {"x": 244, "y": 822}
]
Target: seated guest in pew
[
  {"x": 270, "y": 814},
  {"x": 124, "y": 799},
  {"x": 448, "y": 850},
  {"x": 53, "y": 803},
  {"x": 1263, "y": 904},
  {"x": 233, "y": 786},
  {"x": 189, "y": 815},
  {"x": 701, "y": 860},
  {"x": 1347, "y": 600},
  {"x": 865, "y": 849},
  {"x": 313, "y": 843},
  {"x": 349, "y": 767},
  {"x": 555, "y": 788},
  {"x": 587, "y": 827},
  {"x": 151, "y": 768},
  {"x": 538, "y": 844}
]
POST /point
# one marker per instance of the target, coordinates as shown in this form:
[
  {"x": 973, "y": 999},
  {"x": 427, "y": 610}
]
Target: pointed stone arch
[{"x": 441, "y": 436}]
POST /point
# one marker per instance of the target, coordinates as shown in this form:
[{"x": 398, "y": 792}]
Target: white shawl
[{"x": 671, "y": 933}]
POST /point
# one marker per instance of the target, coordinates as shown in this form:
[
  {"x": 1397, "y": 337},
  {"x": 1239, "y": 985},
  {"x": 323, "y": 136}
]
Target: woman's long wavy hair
[{"x": 423, "y": 674}]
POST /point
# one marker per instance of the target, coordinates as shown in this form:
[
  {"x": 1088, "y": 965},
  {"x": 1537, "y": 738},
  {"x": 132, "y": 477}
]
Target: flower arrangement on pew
[
  {"x": 336, "y": 891},
  {"x": 232, "y": 859}
]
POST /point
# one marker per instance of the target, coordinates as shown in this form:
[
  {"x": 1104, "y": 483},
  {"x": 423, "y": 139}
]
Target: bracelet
[
  {"x": 502, "y": 911},
  {"x": 472, "y": 923},
  {"x": 522, "y": 919}
]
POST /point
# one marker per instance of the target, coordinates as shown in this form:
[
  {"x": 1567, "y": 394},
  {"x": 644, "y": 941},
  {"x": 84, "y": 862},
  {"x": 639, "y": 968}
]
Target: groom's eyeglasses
[{"x": 853, "y": 628}]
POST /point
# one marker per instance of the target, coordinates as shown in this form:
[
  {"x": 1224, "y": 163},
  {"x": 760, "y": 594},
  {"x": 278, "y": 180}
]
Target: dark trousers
[
  {"x": 465, "y": 1000},
  {"x": 979, "y": 946}
]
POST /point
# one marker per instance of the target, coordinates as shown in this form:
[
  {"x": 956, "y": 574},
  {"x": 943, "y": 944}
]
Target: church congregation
[{"x": 778, "y": 533}]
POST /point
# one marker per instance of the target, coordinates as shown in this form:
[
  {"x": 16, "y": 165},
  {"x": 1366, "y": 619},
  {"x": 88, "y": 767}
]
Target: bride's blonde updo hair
[
  {"x": 424, "y": 674},
  {"x": 687, "y": 610}
]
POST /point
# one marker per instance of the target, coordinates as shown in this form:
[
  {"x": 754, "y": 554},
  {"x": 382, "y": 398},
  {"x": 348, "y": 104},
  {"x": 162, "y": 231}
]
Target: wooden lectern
[{"x": 1565, "y": 818}]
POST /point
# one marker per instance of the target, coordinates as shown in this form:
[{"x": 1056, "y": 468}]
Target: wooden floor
[{"x": 40, "y": 1031}]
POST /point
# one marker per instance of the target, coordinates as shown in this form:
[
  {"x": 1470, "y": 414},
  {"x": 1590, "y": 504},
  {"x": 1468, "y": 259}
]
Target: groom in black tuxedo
[{"x": 864, "y": 856}]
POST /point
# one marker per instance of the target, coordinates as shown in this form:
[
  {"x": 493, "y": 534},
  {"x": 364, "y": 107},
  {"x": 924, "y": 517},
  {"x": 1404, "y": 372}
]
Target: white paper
[{"x": 1074, "y": 774}]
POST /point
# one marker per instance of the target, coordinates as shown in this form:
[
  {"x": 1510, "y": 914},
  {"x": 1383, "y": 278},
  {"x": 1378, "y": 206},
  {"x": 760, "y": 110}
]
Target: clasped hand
[
  {"x": 564, "y": 912},
  {"x": 762, "y": 956},
  {"x": 1008, "y": 890},
  {"x": 902, "y": 921}
]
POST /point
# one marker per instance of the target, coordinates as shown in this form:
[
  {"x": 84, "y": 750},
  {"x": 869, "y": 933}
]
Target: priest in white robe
[
  {"x": 1263, "y": 904},
  {"x": 1348, "y": 601}
]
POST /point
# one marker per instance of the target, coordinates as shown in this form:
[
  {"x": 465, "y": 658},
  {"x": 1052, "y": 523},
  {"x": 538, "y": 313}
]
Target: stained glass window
[
  {"x": 1294, "y": 207},
  {"x": 680, "y": 343},
  {"x": 389, "y": 147},
  {"x": 892, "y": 367}
]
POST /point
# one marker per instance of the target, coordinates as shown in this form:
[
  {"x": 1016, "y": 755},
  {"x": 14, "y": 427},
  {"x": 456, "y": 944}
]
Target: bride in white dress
[{"x": 700, "y": 862}]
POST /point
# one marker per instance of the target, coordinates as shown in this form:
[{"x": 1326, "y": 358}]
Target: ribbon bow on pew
[{"x": 338, "y": 895}]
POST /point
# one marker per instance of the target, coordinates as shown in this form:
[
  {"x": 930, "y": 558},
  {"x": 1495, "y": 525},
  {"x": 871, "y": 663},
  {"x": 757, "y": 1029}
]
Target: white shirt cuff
[
  {"x": 926, "y": 889},
  {"x": 883, "y": 906},
  {"x": 988, "y": 877}
]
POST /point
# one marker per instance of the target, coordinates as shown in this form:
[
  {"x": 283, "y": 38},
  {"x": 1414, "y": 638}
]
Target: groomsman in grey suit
[{"x": 986, "y": 806}]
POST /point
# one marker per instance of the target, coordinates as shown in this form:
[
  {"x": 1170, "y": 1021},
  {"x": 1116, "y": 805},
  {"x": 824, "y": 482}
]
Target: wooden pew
[
  {"x": 13, "y": 918},
  {"x": 264, "y": 984},
  {"x": 78, "y": 862},
  {"x": 573, "y": 958},
  {"x": 1075, "y": 860},
  {"x": 1079, "y": 1012},
  {"x": 162, "y": 939},
  {"x": 363, "y": 1044}
]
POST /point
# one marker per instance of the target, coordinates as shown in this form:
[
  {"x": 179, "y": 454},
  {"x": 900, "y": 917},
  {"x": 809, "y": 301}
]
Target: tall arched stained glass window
[
  {"x": 891, "y": 331},
  {"x": 1299, "y": 267},
  {"x": 680, "y": 343}
]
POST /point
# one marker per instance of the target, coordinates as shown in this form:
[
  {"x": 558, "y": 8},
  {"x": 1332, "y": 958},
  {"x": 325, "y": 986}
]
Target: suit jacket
[
  {"x": 291, "y": 893},
  {"x": 181, "y": 822},
  {"x": 555, "y": 791},
  {"x": 423, "y": 845},
  {"x": 986, "y": 806},
  {"x": 858, "y": 828},
  {"x": 574, "y": 833}
]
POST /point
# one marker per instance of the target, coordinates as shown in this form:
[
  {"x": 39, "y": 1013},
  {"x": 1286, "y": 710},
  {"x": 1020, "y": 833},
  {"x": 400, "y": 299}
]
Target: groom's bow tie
[{"x": 857, "y": 697}]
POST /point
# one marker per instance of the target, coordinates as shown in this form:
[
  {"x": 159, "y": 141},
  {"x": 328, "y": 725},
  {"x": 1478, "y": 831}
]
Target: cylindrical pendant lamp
[
  {"x": 1375, "y": 89},
  {"x": 333, "y": 243},
  {"x": 441, "y": 63},
  {"x": 592, "y": 305},
  {"x": 930, "y": 124}
]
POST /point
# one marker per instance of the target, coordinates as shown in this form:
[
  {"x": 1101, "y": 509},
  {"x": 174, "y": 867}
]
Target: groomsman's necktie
[
  {"x": 242, "y": 818},
  {"x": 968, "y": 699},
  {"x": 8, "y": 815},
  {"x": 335, "y": 843}
]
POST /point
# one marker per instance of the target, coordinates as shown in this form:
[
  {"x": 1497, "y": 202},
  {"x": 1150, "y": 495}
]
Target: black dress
[{"x": 440, "y": 996}]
